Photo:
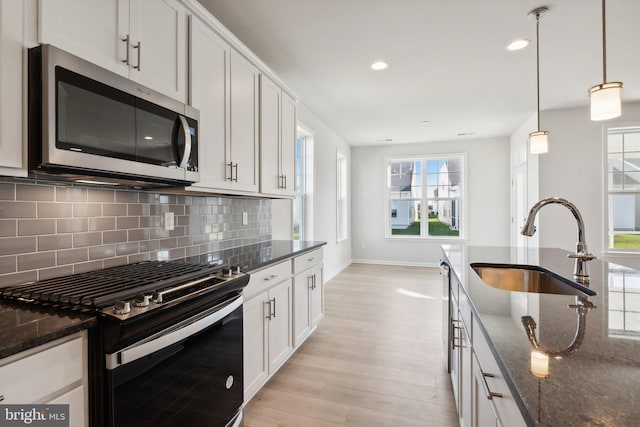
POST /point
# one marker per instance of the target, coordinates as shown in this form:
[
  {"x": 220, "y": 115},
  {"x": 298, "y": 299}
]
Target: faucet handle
[{"x": 582, "y": 256}]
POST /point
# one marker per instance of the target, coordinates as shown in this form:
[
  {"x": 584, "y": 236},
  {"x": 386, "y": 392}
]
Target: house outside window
[
  {"x": 623, "y": 189},
  {"x": 425, "y": 197}
]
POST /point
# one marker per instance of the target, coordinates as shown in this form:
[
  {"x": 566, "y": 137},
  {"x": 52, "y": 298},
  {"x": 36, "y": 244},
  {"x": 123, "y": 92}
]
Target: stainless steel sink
[{"x": 527, "y": 278}]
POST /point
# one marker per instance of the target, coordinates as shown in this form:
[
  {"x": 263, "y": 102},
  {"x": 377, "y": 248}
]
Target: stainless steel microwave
[{"x": 90, "y": 125}]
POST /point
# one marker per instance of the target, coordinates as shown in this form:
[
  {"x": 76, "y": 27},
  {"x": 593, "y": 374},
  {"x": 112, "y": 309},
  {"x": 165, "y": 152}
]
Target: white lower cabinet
[
  {"x": 267, "y": 323},
  {"x": 482, "y": 395},
  {"x": 308, "y": 306},
  {"x": 54, "y": 373}
]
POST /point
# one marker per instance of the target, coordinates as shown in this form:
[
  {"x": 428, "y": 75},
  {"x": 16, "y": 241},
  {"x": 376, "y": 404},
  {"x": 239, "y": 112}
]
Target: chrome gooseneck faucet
[{"x": 582, "y": 255}]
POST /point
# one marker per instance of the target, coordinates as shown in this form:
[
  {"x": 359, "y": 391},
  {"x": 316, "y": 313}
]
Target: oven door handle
[{"x": 172, "y": 335}]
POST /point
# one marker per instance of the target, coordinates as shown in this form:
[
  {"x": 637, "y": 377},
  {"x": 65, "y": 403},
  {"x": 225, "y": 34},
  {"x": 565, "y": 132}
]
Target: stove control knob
[
  {"x": 122, "y": 307},
  {"x": 141, "y": 300}
]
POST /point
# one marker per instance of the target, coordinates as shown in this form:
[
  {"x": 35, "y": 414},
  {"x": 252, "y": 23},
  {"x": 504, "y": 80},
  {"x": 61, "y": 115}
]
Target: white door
[
  {"x": 158, "y": 29},
  {"x": 255, "y": 342},
  {"x": 280, "y": 334},
  {"x": 94, "y": 30},
  {"x": 270, "y": 95},
  {"x": 519, "y": 207},
  {"x": 244, "y": 123},
  {"x": 288, "y": 143},
  {"x": 301, "y": 306},
  {"x": 209, "y": 93}
]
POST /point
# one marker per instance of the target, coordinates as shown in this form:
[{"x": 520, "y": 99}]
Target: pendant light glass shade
[
  {"x": 606, "y": 101},
  {"x": 606, "y": 97},
  {"x": 539, "y": 142}
]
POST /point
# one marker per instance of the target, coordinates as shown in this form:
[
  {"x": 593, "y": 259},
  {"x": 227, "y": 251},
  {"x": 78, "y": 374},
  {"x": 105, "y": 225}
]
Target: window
[
  {"x": 623, "y": 188},
  {"x": 303, "y": 202},
  {"x": 425, "y": 197},
  {"x": 341, "y": 202}
]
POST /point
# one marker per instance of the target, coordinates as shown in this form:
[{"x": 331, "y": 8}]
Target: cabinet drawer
[
  {"x": 267, "y": 277},
  {"x": 307, "y": 260},
  {"x": 31, "y": 378}
]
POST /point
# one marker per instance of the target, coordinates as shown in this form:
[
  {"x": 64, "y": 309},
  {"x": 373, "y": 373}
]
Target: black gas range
[{"x": 168, "y": 347}]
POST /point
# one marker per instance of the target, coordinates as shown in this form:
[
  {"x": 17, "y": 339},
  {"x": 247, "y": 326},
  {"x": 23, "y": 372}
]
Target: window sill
[{"x": 427, "y": 239}]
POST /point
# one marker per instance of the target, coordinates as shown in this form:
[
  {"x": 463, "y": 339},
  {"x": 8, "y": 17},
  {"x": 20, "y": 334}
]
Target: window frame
[
  {"x": 462, "y": 205},
  {"x": 304, "y": 194},
  {"x": 342, "y": 197},
  {"x": 606, "y": 208}
]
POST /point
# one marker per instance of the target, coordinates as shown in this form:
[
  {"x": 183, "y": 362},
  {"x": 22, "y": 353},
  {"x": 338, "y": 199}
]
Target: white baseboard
[
  {"x": 330, "y": 275},
  {"x": 388, "y": 262}
]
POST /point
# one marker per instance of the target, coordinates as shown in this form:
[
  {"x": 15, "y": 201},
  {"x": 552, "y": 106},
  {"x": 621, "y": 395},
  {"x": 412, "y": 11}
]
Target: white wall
[
  {"x": 573, "y": 168},
  {"x": 337, "y": 255},
  {"x": 487, "y": 204},
  {"x": 281, "y": 219}
]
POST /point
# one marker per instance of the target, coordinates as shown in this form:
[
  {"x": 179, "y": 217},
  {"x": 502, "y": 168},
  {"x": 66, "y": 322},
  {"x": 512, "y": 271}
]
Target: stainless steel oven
[
  {"x": 167, "y": 350},
  {"x": 178, "y": 375}
]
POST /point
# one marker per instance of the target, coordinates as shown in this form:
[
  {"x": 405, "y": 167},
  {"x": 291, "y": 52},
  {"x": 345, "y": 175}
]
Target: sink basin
[{"x": 527, "y": 278}]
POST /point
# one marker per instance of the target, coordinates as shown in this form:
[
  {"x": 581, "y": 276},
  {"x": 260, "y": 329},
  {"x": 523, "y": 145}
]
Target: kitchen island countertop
[{"x": 598, "y": 384}]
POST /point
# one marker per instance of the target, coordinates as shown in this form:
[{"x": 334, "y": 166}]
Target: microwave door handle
[{"x": 187, "y": 142}]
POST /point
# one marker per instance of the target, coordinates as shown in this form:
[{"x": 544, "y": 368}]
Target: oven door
[{"x": 187, "y": 375}]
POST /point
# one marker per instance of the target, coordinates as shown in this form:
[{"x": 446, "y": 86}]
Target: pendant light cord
[
  {"x": 604, "y": 44},
  {"x": 538, "y": 63}
]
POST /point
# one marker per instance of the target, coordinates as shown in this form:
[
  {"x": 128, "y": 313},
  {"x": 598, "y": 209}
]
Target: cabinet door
[
  {"x": 158, "y": 28},
  {"x": 270, "y": 175},
  {"x": 288, "y": 143},
  {"x": 76, "y": 399},
  {"x": 255, "y": 342},
  {"x": 303, "y": 284},
  {"x": 484, "y": 412},
  {"x": 244, "y": 123},
  {"x": 11, "y": 84},
  {"x": 280, "y": 335},
  {"x": 317, "y": 295},
  {"x": 94, "y": 30},
  {"x": 209, "y": 93},
  {"x": 464, "y": 400},
  {"x": 456, "y": 333}
]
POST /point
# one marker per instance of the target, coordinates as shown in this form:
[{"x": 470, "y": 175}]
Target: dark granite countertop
[
  {"x": 25, "y": 327},
  {"x": 256, "y": 256},
  {"x": 599, "y": 383}
]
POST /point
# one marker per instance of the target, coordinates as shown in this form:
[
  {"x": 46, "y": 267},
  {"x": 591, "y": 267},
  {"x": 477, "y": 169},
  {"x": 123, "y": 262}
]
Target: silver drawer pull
[
  {"x": 1, "y": 398},
  {"x": 311, "y": 259},
  {"x": 490, "y": 394},
  {"x": 273, "y": 276}
]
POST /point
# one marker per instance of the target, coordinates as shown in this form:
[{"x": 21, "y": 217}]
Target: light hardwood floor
[{"x": 375, "y": 360}]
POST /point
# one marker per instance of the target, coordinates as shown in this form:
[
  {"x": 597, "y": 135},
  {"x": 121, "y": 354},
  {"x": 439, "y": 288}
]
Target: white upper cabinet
[
  {"x": 12, "y": 159},
  {"x": 277, "y": 139},
  {"x": 224, "y": 87},
  {"x": 209, "y": 93},
  {"x": 244, "y": 124},
  {"x": 145, "y": 40}
]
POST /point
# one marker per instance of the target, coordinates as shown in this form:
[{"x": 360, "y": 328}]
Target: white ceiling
[{"x": 448, "y": 62}]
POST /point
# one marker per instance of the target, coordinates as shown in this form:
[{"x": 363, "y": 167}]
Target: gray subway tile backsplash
[{"x": 55, "y": 230}]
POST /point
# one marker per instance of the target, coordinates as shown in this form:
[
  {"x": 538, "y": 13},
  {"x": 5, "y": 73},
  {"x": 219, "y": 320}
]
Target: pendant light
[
  {"x": 605, "y": 97},
  {"x": 539, "y": 140}
]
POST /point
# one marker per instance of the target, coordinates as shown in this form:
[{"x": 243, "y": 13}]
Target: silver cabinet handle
[
  {"x": 1, "y": 398},
  {"x": 236, "y": 168},
  {"x": 268, "y": 316},
  {"x": 230, "y": 165},
  {"x": 285, "y": 181},
  {"x": 139, "y": 47},
  {"x": 274, "y": 307},
  {"x": 310, "y": 280},
  {"x": 455, "y": 328},
  {"x": 311, "y": 259},
  {"x": 187, "y": 142},
  {"x": 490, "y": 394},
  {"x": 126, "y": 41},
  {"x": 273, "y": 276}
]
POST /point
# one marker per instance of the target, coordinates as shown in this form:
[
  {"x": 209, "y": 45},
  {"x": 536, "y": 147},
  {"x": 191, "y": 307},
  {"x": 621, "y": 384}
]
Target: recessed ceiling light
[
  {"x": 148, "y": 137},
  {"x": 380, "y": 65},
  {"x": 518, "y": 44}
]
